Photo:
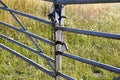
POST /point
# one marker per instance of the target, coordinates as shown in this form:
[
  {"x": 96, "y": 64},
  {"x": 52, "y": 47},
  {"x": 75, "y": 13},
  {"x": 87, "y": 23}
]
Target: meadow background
[{"x": 96, "y": 17}]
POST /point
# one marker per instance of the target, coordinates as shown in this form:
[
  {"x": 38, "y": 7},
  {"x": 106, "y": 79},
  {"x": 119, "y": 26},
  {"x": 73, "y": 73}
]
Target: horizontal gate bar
[
  {"x": 92, "y": 62},
  {"x": 88, "y": 32},
  {"x": 41, "y": 54},
  {"x": 26, "y": 15},
  {"x": 28, "y": 60},
  {"x": 28, "y": 33},
  {"x": 29, "y": 48},
  {"x": 65, "y": 76},
  {"x": 23, "y": 27},
  {"x": 82, "y": 1}
]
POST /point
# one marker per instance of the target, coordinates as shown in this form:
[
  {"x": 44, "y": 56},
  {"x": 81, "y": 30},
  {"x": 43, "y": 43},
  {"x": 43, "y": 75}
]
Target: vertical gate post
[{"x": 58, "y": 37}]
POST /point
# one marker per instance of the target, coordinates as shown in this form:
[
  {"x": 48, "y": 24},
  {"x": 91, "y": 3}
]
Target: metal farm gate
[{"x": 57, "y": 17}]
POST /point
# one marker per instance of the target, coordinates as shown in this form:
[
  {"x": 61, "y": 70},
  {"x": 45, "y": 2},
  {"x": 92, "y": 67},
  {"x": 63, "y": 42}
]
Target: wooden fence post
[{"x": 58, "y": 37}]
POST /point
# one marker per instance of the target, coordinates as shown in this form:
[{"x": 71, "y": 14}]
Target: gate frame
[{"x": 57, "y": 16}]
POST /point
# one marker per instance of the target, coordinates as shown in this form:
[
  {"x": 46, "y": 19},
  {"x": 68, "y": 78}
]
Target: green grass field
[{"x": 97, "y": 17}]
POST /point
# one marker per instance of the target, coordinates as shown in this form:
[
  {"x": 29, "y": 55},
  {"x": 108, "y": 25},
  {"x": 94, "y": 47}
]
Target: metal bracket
[
  {"x": 58, "y": 53},
  {"x": 57, "y": 11},
  {"x": 62, "y": 43}
]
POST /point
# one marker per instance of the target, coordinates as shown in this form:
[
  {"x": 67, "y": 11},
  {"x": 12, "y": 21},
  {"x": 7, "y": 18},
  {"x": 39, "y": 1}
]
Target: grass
[{"x": 97, "y": 17}]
